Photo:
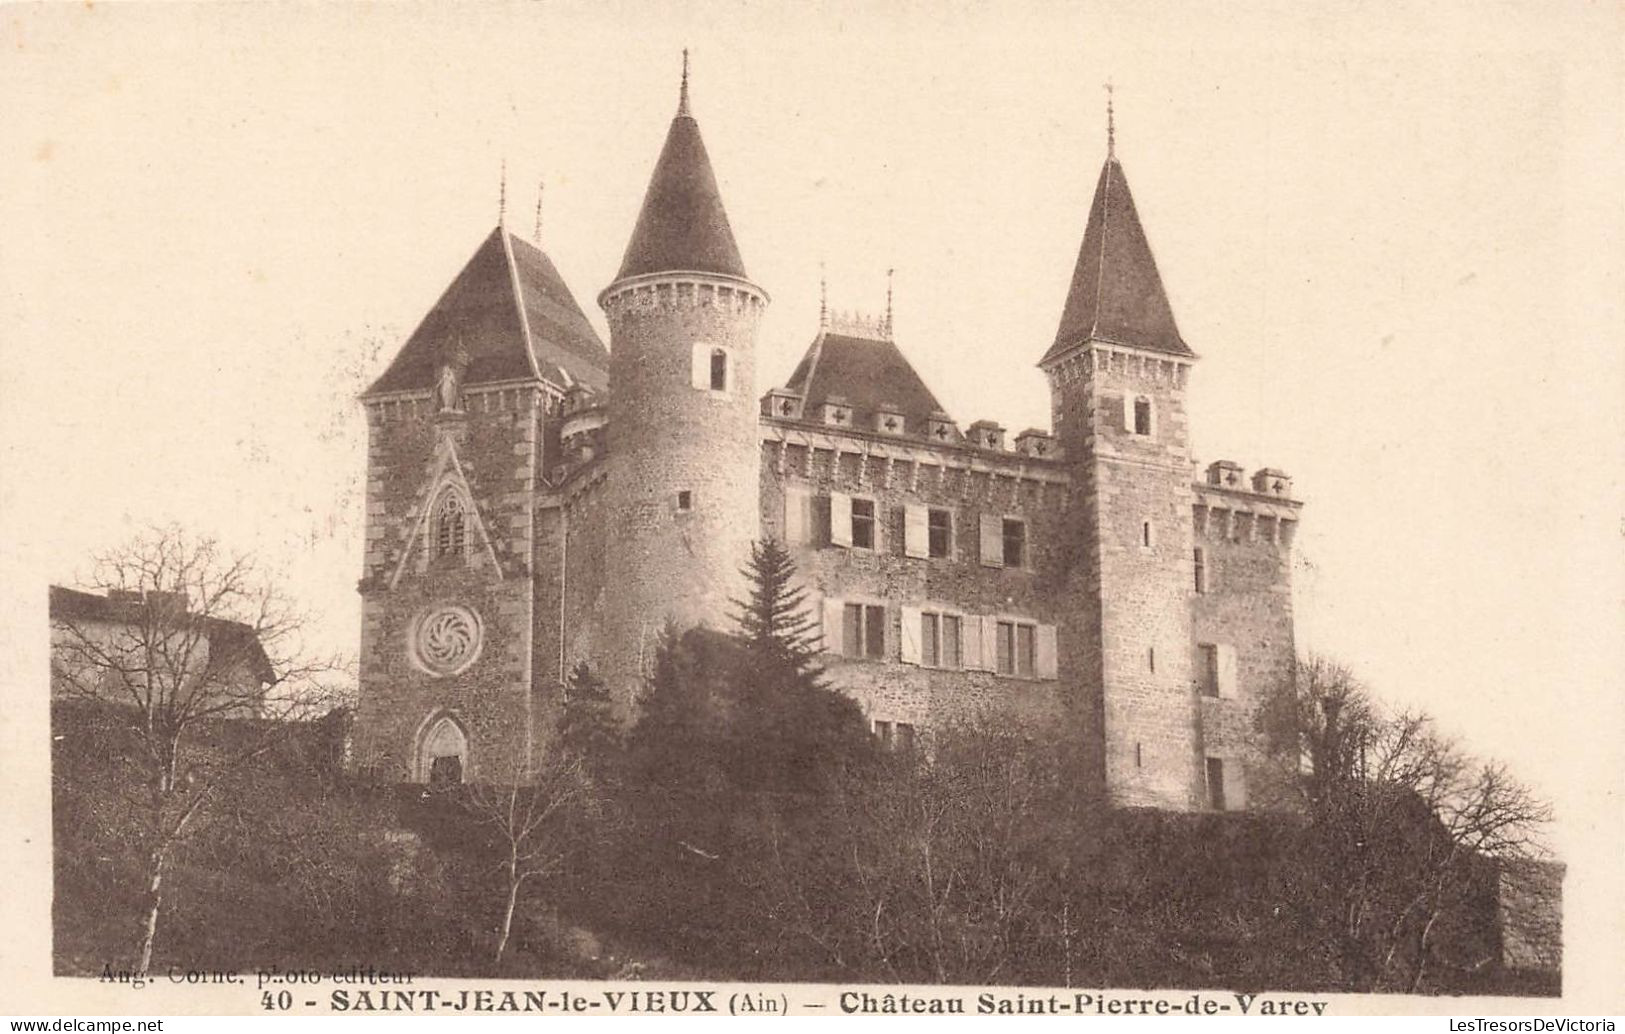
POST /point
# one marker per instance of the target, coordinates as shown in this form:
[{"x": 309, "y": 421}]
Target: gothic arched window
[{"x": 450, "y": 525}]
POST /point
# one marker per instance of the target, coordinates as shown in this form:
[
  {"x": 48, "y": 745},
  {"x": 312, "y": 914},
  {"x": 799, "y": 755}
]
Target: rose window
[{"x": 448, "y": 640}]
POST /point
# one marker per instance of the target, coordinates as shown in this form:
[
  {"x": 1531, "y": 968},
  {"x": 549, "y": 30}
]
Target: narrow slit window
[
  {"x": 940, "y": 533},
  {"x": 1015, "y": 543},
  {"x": 1200, "y": 568}
]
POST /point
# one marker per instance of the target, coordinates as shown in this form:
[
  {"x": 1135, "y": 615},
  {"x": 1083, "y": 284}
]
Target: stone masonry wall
[
  {"x": 888, "y": 689},
  {"x": 495, "y": 443},
  {"x": 1247, "y": 605},
  {"x": 1140, "y": 582},
  {"x": 667, "y": 437}
]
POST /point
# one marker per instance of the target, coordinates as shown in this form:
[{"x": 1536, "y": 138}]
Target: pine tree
[
  {"x": 588, "y": 730},
  {"x": 773, "y": 623},
  {"x": 789, "y": 729}
]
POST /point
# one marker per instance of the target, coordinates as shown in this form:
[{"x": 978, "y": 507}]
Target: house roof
[
  {"x": 682, "y": 226},
  {"x": 511, "y": 316},
  {"x": 232, "y": 637},
  {"x": 867, "y": 373},
  {"x": 1116, "y": 293}
]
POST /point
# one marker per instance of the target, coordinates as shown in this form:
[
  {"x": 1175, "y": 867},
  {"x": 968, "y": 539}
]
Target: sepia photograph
[{"x": 877, "y": 508}]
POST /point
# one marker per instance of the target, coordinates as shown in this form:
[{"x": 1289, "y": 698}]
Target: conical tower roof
[
  {"x": 1116, "y": 293},
  {"x": 682, "y": 226}
]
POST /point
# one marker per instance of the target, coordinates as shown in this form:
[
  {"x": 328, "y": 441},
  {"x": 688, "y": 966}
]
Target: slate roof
[
  {"x": 865, "y": 373},
  {"x": 234, "y": 637},
  {"x": 510, "y": 312},
  {"x": 682, "y": 226},
  {"x": 1116, "y": 294}
]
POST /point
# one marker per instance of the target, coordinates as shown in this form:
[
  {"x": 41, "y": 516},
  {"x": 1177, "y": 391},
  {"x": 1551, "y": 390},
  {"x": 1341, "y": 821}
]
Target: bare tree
[
  {"x": 205, "y": 658},
  {"x": 1408, "y": 825},
  {"x": 539, "y": 819}
]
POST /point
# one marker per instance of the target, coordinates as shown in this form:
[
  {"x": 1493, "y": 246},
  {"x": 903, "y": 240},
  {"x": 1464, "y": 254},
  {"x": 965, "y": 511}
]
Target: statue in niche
[{"x": 449, "y": 387}]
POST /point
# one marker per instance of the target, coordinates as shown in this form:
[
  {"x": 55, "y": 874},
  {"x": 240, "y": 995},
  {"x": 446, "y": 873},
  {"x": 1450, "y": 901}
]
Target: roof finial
[
  {"x": 889, "y": 274},
  {"x": 537, "y": 237},
  {"x": 682, "y": 95},
  {"x": 502, "y": 195},
  {"x": 1111, "y": 124},
  {"x": 823, "y": 297}
]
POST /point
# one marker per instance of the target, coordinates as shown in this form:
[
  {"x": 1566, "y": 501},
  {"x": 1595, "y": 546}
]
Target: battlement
[{"x": 1229, "y": 507}]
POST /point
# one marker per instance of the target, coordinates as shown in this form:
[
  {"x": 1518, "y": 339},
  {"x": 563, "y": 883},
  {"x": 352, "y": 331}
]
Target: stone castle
[{"x": 535, "y": 499}]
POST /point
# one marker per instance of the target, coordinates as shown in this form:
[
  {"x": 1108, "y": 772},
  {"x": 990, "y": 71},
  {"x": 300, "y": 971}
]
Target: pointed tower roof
[
  {"x": 682, "y": 227},
  {"x": 1116, "y": 294},
  {"x": 508, "y": 316}
]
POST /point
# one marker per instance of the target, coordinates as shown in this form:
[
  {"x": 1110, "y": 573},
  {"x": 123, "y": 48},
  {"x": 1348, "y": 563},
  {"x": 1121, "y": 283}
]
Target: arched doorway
[{"x": 443, "y": 753}]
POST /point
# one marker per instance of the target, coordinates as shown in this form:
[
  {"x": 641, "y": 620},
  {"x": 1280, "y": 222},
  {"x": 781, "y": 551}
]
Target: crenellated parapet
[{"x": 1228, "y": 506}]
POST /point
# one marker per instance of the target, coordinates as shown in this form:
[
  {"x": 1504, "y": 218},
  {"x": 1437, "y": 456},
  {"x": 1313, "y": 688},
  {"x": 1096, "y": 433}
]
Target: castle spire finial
[
  {"x": 1111, "y": 124},
  {"x": 823, "y": 297},
  {"x": 502, "y": 195},
  {"x": 889, "y": 274},
  {"x": 682, "y": 93},
  {"x": 537, "y": 236}
]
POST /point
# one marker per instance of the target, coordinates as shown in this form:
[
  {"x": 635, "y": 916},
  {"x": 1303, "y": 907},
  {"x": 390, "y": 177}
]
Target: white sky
[{"x": 1393, "y": 233}]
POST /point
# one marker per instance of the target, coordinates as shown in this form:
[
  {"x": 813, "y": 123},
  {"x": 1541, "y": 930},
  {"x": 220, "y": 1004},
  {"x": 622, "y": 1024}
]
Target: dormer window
[{"x": 450, "y": 525}]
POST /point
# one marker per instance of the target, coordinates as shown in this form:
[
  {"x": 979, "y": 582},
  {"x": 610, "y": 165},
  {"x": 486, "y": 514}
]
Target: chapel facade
[{"x": 535, "y": 498}]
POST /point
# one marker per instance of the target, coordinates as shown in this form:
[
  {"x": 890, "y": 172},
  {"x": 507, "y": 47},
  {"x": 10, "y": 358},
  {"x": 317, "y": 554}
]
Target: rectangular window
[
  {"x": 939, "y": 639},
  {"x": 863, "y": 630},
  {"x": 1209, "y": 673},
  {"x": 1015, "y": 542},
  {"x": 1215, "y": 784},
  {"x": 941, "y": 533},
  {"x": 719, "y": 370},
  {"x": 905, "y": 736},
  {"x": 874, "y": 632},
  {"x": 685, "y": 501},
  {"x": 1005, "y": 645},
  {"x": 952, "y": 656},
  {"x": 883, "y": 732},
  {"x": 1026, "y": 652},
  {"x": 863, "y": 524},
  {"x": 1201, "y": 569},
  {"x": 1142, "y": 416}
]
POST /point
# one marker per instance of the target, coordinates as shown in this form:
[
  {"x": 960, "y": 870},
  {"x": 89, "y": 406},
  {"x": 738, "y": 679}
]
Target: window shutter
[
  {"x": 910, "y": 653},
  {"x": 1227, "y": 670},
  {"x": 990, "y": 641},
  {"x": 797, "y": 517},
  {"x": 840, "y": 519},
  {"x": 1235, "y": 785},
  {"x": 916, "y": 531},
  {"x": 970, "y": 642},
  {"x": 1128, "y": 413},
  {"x": 1046, "y": 652},
  {"x": 700, "y": 366},
  {"x": 833, "y": 612},
  {"x": 992, "y": 540}
]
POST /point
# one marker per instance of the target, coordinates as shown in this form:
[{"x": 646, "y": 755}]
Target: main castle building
[{"x": 535, "y": 499}]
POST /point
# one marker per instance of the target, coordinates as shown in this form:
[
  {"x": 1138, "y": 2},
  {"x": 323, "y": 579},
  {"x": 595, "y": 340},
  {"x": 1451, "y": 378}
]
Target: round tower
[{"x": 683, "y": 434}]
